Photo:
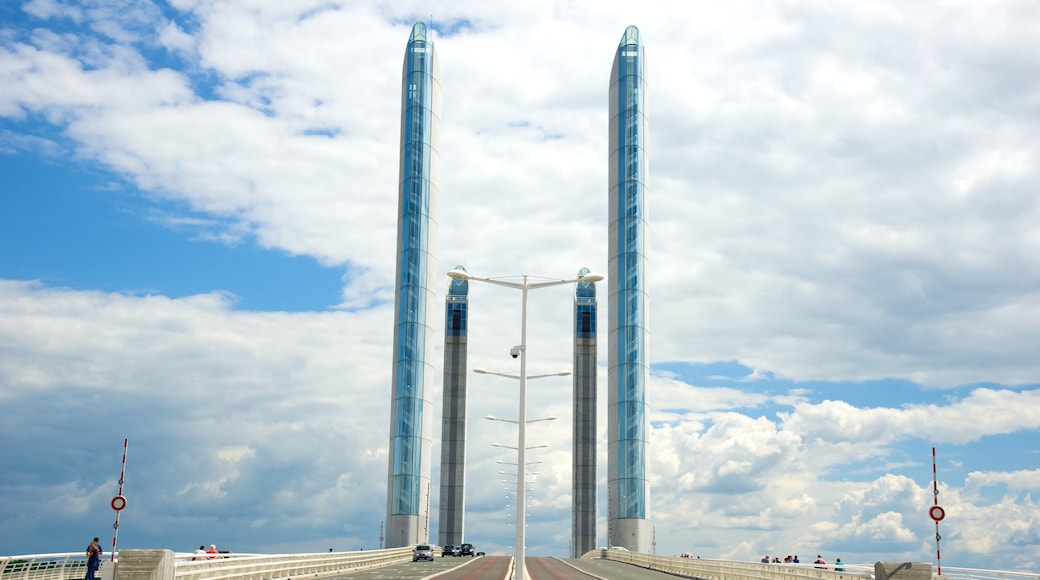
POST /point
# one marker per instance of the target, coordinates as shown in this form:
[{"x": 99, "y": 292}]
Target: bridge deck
[{"x": 396, "y": 563}]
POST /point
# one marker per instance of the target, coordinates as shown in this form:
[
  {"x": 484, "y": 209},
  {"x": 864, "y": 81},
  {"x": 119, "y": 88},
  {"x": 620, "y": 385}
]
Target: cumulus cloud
[
  {"x": 984, "y": 412},
  {"x": 839, "y": 193}
]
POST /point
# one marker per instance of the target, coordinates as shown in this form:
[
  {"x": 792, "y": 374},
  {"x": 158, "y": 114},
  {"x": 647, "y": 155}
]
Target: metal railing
[
  {"x": 266, "y": 567},
  {"x": 976, "y": 574},
  {"x": 46, "y": 567},
  {"x": 188, "y": 566},
  {"x": 732, "y": 570},
  {"x": 736, "y": 570}
]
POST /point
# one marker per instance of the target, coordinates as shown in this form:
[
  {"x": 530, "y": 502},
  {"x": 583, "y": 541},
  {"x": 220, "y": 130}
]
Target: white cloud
[
  {"x": 272, "y": 419},
  {"x": 176, "y": 39},
  {"x": 839, "y": 192},
  {"x": 52, "y": 8}
]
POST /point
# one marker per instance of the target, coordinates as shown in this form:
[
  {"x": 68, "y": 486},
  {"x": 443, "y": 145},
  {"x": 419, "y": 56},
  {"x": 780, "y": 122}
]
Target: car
[
  {"x": 466, "y": 550},
  {"x": 448, "y": 550},
  {"x": 422, "y": 552},
  {"x": 480, "y": 554}
]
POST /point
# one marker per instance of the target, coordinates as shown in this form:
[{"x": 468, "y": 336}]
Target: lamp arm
[
  {"x": 534, "y": 285},
  {"x": 505, "y": 283}
]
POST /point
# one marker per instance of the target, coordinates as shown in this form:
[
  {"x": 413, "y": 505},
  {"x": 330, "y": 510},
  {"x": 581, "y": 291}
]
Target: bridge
[{"x": 397, "y": 563}]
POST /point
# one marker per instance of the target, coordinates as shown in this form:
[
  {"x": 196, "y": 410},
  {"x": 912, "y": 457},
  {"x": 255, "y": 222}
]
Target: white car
[{"x": 422, "y": 552}]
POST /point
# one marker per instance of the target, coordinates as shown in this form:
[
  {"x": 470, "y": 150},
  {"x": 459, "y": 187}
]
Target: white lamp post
[{"x": 524, "y": 285}]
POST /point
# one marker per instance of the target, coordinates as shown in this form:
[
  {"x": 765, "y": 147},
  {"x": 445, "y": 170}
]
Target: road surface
[{"x": 500, "y": 567}]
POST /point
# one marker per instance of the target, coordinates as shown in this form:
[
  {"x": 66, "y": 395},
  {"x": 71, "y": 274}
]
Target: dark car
[
  {"x": 466, "y": 550},
  {"x": 449, "y": 550},
  {"x": 422, "y": 552}
]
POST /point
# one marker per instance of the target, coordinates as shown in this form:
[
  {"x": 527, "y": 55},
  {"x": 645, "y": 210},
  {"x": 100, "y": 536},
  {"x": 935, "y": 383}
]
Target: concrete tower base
[
  {"x": 633, "y": 534},
  {"x": 406, "y": 530}
]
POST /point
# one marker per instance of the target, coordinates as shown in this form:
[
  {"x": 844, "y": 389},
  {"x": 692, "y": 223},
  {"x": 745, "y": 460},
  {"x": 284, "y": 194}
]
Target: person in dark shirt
[{"x": 93, "y": 559}]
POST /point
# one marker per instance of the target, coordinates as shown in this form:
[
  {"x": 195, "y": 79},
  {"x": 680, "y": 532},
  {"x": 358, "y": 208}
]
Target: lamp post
[{"x": 524, "y": 285}]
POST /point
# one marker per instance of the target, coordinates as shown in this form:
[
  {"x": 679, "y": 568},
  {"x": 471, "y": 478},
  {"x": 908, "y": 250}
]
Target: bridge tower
[
  {"x": 450, "y": 522},
  {"x": 408, "y": 485},
  {"x": 628, "y": 300},
  {"x": 583, "y": 456}
]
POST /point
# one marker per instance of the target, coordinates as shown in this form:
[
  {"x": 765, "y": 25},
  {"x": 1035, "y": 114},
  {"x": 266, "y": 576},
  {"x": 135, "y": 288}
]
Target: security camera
[{"x": 514, "y": 352}]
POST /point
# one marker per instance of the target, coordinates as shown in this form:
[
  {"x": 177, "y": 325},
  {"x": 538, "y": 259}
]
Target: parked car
[
  {"x": 466, "y": 550},
  {"x": 422, "y": 552},
  {"x": 449, "y": 550}
]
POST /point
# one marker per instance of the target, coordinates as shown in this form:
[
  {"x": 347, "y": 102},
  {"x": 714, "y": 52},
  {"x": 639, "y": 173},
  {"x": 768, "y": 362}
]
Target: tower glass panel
[
  {"x": 628, "y": 300},
  {"x": 410, "y": 422}
]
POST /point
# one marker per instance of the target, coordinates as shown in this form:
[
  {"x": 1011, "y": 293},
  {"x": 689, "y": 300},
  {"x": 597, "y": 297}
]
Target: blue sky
[
  {"x": 100, "y": 233},
  {"x": 197, "y": 225}
]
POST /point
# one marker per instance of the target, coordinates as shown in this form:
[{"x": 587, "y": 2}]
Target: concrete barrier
[
  {"x": 144, "y": 565},
  {"x": 161, "y": 565},
  {"x": 903, "y": 571},
  {"x": 295, "y": 566}
]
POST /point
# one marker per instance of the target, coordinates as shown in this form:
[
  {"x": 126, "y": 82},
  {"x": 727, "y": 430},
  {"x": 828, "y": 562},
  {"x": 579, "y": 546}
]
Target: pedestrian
[
  {"x": 200, "y": 554},
  {"x": 820, "y": 560},
  {"x": 838, "y": 565},
  {"x": 212, "y": 551},
  {"x": 93, "y": 559}
]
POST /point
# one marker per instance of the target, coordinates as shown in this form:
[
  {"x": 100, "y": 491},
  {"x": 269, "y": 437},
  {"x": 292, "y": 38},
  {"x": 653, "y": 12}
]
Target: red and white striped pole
[
  {"x": 118, "y": 503},
  {"x": 937, "y": 513}
]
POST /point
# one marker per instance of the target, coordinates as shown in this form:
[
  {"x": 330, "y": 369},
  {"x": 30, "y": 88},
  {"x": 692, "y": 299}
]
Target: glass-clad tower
[
  {"x": 583, "y": 458},
  {"x": 628, "y": 300},
  {"x": 452, "y": 508},
  {"x": 408, "y": 486}
]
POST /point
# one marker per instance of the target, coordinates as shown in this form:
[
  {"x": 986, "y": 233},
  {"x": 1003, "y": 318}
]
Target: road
[
  {"x": 491, "y": 567},
  {"x": 613, "y": 570},
  {"x": 498, "y": 568}
]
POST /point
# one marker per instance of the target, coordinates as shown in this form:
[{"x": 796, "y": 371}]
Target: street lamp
[{"x": 523, "y": 285}]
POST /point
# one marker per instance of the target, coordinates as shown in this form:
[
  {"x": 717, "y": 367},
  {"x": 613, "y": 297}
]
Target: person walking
[{"x": 93, "y": 559}]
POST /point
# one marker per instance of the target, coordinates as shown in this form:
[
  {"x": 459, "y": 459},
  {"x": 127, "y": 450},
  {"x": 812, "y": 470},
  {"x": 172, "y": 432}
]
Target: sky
[{"x": 197, "y": 251}]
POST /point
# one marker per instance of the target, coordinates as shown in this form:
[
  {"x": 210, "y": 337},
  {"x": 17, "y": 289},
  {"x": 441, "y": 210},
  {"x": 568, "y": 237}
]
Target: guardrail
[
  {"x": 976, "y": 574},
  {"x": 69, "y": 566},
  {"x": 731, "y": 570},
  {"x": 264, "y": 567},
  {"x": 736, "y": 570},
  {"x": 188, "y": 566}
]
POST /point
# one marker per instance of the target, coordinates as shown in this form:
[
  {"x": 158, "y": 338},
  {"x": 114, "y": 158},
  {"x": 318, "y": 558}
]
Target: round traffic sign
[
  {"x": 118, "y": 502},
  {"x": 937, "y": 513}
]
